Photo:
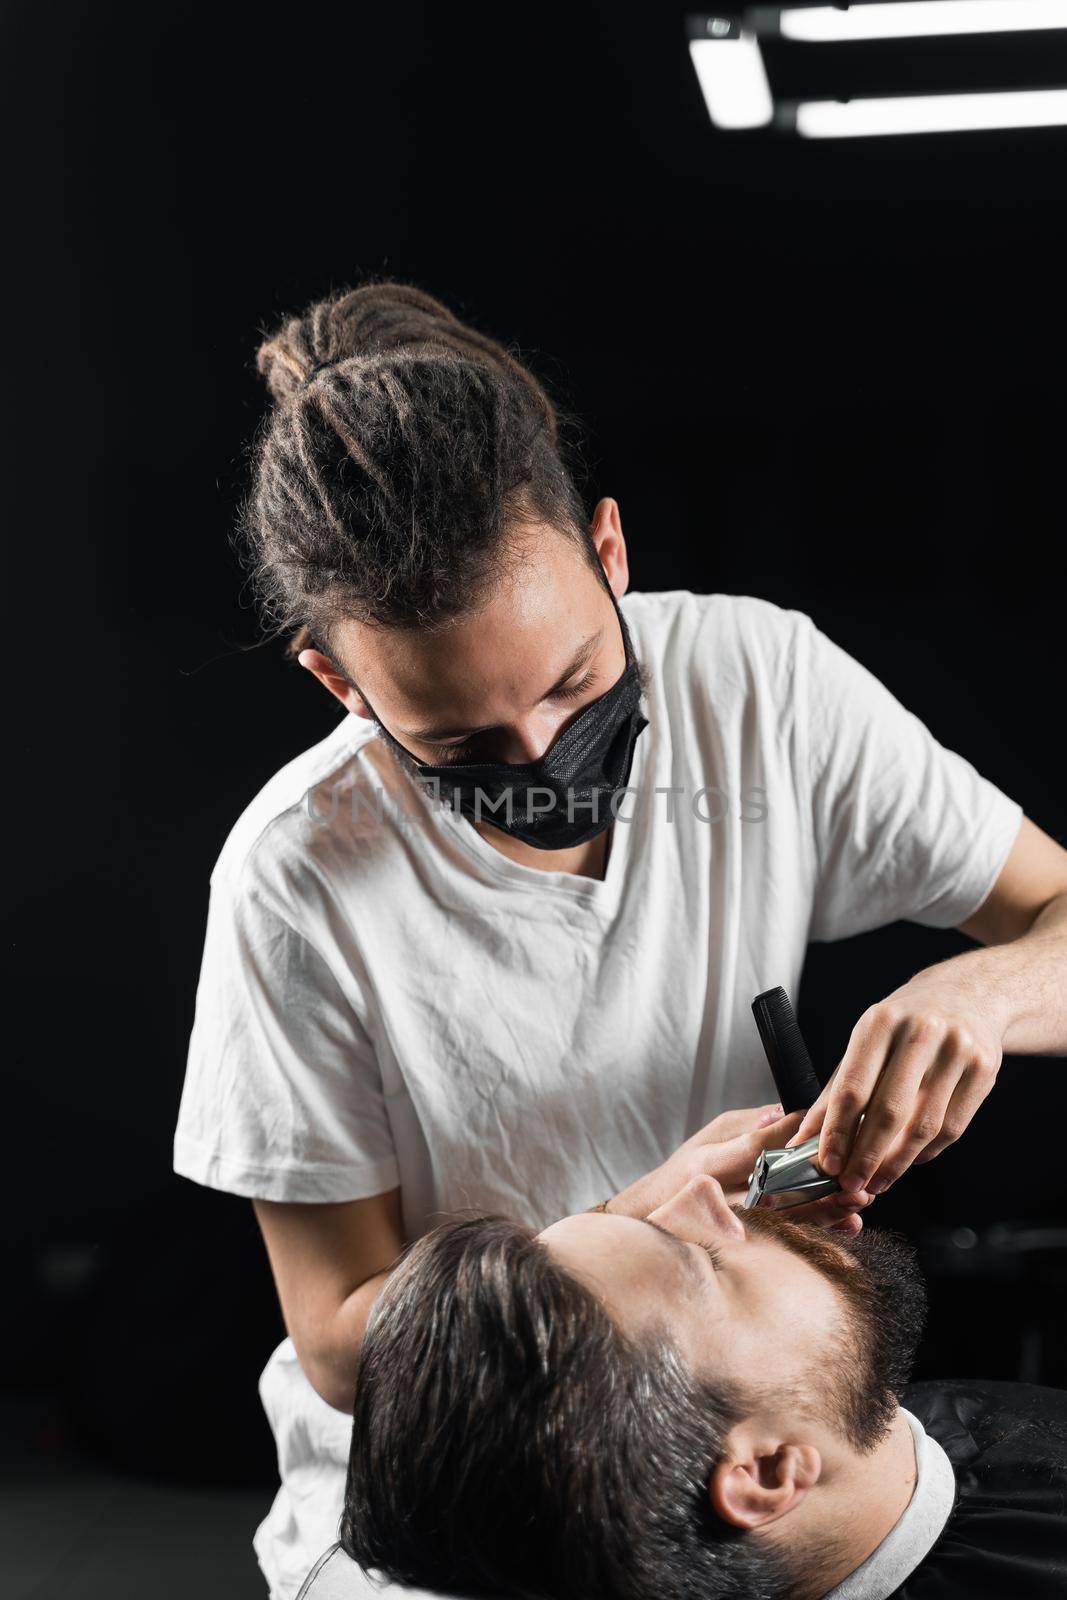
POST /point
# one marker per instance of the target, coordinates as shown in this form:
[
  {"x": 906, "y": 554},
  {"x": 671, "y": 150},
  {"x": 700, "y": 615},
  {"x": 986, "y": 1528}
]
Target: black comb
[{"x": 791, "y": 1068}]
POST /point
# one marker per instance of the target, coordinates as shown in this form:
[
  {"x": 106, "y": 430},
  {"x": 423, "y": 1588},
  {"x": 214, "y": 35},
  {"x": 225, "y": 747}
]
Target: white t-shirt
[{"x": 386, "y": 999}]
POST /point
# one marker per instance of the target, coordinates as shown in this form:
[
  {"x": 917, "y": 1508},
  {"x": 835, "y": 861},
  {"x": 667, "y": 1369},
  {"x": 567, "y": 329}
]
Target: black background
[{"x": 830, "y": 374}]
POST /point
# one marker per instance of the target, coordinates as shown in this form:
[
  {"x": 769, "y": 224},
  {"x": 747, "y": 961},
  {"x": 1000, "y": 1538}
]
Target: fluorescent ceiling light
[
  {"x": 913, "y": 18},
  {"x": 931, "y": 113},
  {"x": 733, "y": 81}
]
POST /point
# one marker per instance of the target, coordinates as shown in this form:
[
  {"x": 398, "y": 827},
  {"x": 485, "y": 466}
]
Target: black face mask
[{"x": 569, "y": 795}]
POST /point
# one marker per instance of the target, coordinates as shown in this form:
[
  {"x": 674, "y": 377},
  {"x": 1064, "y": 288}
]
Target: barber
[{"x": 413, "y": 1000}]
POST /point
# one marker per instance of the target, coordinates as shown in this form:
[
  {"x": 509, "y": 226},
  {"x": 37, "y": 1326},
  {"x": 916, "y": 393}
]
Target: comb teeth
[{"x": 787, "y": 1054}]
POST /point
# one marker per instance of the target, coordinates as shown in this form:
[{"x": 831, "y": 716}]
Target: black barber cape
[{"x": 1007, "y": 1533}]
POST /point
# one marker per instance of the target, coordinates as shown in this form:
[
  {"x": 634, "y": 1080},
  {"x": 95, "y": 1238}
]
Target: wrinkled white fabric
[{"x": 385, "y": 999}]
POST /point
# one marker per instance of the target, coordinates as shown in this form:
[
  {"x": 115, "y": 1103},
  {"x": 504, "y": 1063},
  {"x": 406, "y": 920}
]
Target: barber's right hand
[{"x": 726, "y": 1149}]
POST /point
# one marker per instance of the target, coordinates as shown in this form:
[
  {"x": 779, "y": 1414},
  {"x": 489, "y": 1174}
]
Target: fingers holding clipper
[
  {"x": 832, "y": 1210},
  {"x": 886, "y": 1161},
  {"x": 963, "y": 1102},
  {"x": 849, "y": 1091}
]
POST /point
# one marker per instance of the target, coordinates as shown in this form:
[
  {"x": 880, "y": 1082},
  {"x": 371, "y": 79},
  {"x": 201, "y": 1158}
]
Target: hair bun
[
  {"x": 387, "y": 489},
  {"x": 380, "y": 314}
]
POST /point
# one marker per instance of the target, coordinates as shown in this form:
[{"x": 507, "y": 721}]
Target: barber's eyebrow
[{"x": 582, "y": 655}]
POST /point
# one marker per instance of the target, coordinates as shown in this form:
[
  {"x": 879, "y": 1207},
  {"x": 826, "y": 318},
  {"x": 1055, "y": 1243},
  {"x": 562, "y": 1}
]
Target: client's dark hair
[
  {"x": 392, "y": 484},
  {"x": 509, "y": 1439}
]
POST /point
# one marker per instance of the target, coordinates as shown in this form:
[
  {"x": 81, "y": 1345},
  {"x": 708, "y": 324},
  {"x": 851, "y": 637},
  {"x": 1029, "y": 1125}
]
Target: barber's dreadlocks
[{"x": 391, "y": 483}]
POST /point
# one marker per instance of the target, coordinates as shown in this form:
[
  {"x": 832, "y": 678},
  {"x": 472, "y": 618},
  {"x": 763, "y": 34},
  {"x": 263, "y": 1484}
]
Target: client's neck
[{"x": 852, "y": 1508}]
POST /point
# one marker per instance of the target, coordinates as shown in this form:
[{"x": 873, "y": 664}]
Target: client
[{"x": 700, "y": 1404}]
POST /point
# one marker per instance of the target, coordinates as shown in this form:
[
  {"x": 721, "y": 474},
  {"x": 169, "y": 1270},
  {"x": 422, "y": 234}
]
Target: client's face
[{"x": 752, "y": 1298}]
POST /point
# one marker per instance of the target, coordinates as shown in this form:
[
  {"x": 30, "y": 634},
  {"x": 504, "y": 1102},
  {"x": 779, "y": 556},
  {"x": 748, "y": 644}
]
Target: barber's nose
[
  {"x": 522, "y": 746},
  {"x": 700, "y": 1211},
  {"x": 529, "y": 740}
]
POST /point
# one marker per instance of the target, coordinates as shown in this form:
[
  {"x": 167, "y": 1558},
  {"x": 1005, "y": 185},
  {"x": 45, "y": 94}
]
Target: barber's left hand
[
  {"x": 727, "y": 1149},
  {"x": 917, "y": 1067}
]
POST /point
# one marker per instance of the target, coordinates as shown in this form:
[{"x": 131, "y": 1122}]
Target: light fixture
[
  {"x": 931, "y": 113},
  {"x": 726, "y": 55},
  {"x": 912, "y": 19},
  {"x": 730, "y": 71}
]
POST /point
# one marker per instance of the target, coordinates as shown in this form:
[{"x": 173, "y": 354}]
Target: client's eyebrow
[
  {"x": 585, "y": 651},
  {"x": 684, "y": 1255}
]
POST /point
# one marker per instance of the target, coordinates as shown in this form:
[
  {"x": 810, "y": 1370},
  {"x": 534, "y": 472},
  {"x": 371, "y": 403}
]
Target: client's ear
[{"x": 760, "y": 1478}]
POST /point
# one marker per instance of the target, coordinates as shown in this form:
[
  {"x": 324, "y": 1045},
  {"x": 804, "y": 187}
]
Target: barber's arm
[
  {"x": 329, "y": 1262},
  {"x": 920, "y": 1062}
]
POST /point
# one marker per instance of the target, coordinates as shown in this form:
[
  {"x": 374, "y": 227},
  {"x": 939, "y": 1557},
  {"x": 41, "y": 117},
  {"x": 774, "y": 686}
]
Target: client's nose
[{"x": 700, "y": 1211}]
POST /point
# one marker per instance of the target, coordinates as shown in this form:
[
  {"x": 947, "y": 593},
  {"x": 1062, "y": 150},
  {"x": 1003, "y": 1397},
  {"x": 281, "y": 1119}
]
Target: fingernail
[
  {"x": 878, "y": 1185},
  {"x": 832, "y": 1162},
  {"x": 773, "y": 1114},
  {"x": 852, "y": 1181}
]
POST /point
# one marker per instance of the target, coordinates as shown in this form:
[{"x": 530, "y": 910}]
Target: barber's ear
[
  {"x": 322, "y": 667},
  {"x": 759, "y": 1481},
  {"x": 606, "y": 530}
]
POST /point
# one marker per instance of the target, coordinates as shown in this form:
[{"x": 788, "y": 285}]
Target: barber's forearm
[
  {"x": 332, "y": 1369},
  {"x": 1024, "y": 982}
]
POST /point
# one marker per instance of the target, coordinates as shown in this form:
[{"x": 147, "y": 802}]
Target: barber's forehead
[{"x": 481, "y": 663}]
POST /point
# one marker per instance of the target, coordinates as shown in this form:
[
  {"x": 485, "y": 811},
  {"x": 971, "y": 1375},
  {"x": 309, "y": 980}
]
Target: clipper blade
[{"x": 783, "y": 1178}]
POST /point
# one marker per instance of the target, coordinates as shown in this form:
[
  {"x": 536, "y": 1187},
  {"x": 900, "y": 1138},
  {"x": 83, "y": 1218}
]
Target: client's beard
[{"x": 860, "y": 1377}]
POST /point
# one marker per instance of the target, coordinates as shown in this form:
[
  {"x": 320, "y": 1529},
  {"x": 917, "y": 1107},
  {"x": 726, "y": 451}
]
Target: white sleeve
[
  {"x": 282, "y": 1097},
  {"x": 903, "y": 828}
]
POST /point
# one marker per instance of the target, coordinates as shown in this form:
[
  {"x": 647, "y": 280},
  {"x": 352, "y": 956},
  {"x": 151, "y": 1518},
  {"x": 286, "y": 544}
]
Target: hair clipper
[{"x": 788, "y": 1177}]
